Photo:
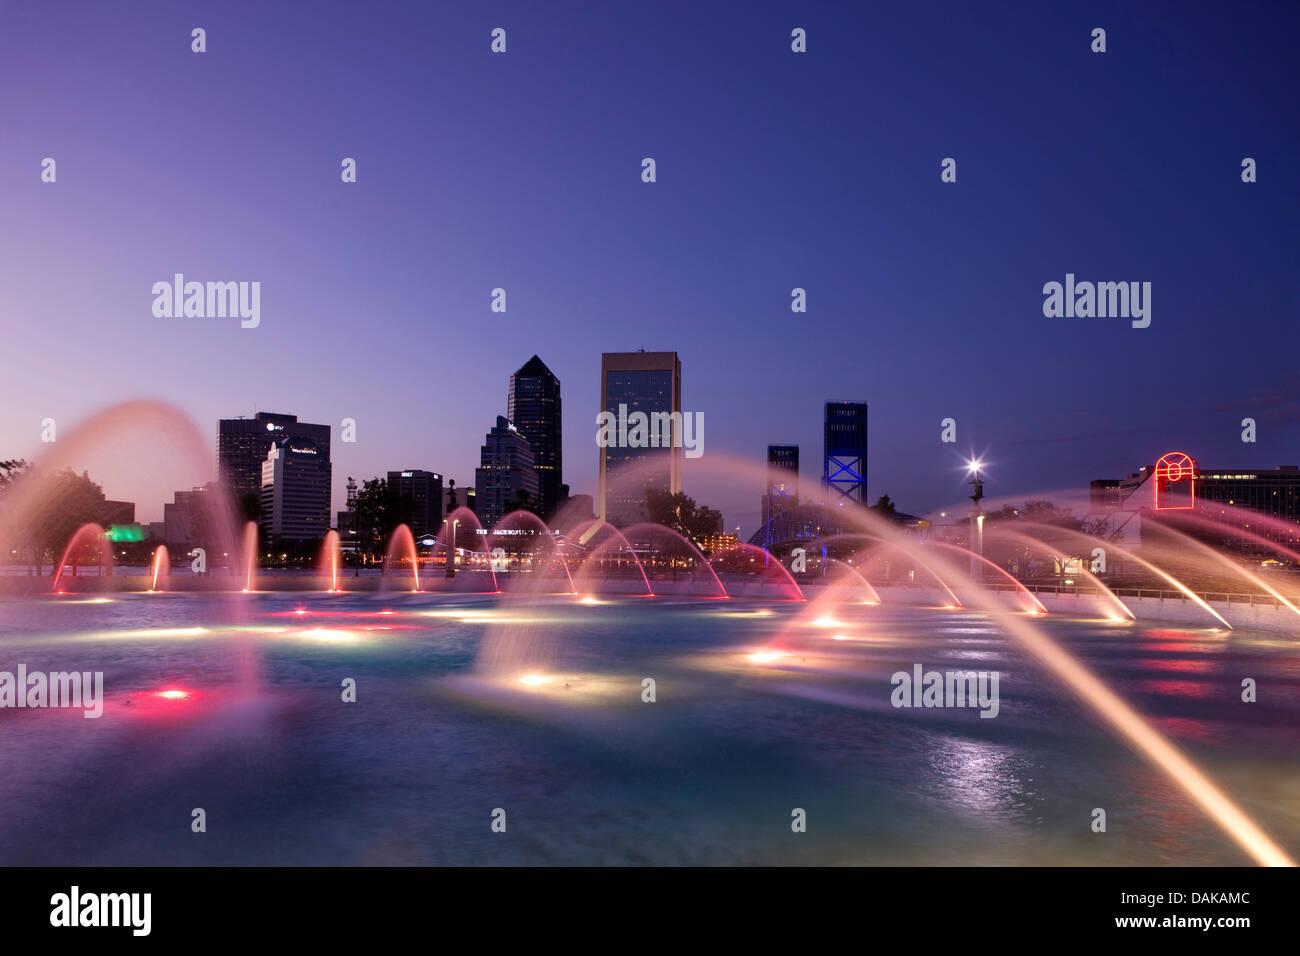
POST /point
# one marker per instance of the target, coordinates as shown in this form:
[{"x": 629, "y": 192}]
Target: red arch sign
[{"x": 1175, "y": 482}]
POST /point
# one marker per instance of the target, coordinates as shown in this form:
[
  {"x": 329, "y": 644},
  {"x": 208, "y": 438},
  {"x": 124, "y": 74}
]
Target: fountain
[
  {"x": 1032, "y": 604},
  {"x": 611, "y": 540},
  {"x": 248, "y": 548},
  {"x": 659, "y": 538},
  {"x": 1186, "y": 541},
  {"x": 330, "y": 557},
  {"x": 401, "y": 547},
  {"x": 162, "y": 566},
  {"x": 1092, "y": 691},
  {"x": 1121, "y": 609},
  {"x": 453, "y": 538},
  {"x": 876, "y": 541},
  {"x": 113, "y": 439},
  {"x": 521, "y": 520},
  {"x": 1159, "y": 572},
  {"x": 83, "y": 535},
  {"x": 873, "y": 597},
  {"x": 525, "y": 631},
  {"x": 750, "y": 559}
]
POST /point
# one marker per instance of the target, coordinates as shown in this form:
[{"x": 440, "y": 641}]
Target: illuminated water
[{"x": 588, "y": 773}]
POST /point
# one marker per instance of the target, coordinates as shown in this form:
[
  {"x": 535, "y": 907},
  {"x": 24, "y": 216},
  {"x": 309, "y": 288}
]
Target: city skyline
[{"x": 737, "y": 513}]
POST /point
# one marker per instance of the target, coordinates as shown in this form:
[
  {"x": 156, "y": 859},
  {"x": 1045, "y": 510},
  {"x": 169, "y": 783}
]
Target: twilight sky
[{"x": 775, "y": 170}]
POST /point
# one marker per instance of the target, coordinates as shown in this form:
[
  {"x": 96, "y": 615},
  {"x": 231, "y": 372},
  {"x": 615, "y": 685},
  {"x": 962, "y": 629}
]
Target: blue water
[{"x": 588, "y": 773}]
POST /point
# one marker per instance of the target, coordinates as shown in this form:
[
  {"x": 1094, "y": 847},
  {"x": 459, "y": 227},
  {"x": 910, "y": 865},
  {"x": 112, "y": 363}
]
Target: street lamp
[
  {"x": 451, "y": 551},
  {"x": 976, "y": 518}
]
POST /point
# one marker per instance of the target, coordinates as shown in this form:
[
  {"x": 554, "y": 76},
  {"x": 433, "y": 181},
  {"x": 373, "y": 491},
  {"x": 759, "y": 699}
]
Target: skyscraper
[
  {"x": 505, "y": 469},
  {"x": 295, "y": 491},
  {"x": 534, "y": 407},
  {"x": 184, "y": 514},
  {"x": 243, "y": 443},
  {"x": 647, "y": 382},
  {"x": 424, "y": 488},
  {"x": 782, "y": 480},
  {"x": 844, "y": 468}
]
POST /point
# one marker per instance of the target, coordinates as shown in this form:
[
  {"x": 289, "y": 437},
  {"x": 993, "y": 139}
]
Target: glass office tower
[
  {"x": 534, "y": 407},
  {"x": 646, "y": 382}
]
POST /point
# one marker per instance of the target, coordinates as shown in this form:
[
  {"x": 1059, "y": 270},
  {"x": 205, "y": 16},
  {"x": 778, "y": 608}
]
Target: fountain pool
[{"x": 758, "y": 711}]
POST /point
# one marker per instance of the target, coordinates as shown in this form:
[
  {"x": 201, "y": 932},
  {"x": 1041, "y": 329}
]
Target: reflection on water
[{"x": 752, "y": 717}]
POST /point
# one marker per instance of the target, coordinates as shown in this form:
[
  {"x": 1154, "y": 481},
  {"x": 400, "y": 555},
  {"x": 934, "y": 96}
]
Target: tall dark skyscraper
[
  {"x": 505, "y": 469},
  {"x": 295, "y": 492},
  {"x": 782, "y": 480},
  {"x": 649, "y": 382},
  {"x": 534, "y": 407},
  {"x": 424, "y": 488},
  {"x": 844, "y": 470},
  {"x": 243, "y": 443}
]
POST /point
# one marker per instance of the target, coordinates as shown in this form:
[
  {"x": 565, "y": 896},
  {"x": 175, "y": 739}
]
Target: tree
[
  {"x": 64, "y": 502},
  {"x": 379, "y": 508},
  {"x": 884, "y": 507},
  {"x": 1059, "y": 529},
  {"x": 523, "y": 502},
  {"x": 250, "y": 506},
  {"x": 680, "y": 512},
  {"x": 10, "y": 471}
]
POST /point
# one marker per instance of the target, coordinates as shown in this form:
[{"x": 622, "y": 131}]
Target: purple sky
[{"x": 775, "y": 170}]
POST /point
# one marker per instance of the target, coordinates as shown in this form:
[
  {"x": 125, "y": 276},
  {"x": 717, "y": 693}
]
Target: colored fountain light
[
  {"x": 81, "y": 538},
  {"x": 330, "y": 634},
  {"x": 161, "y": 564},
  {"x": 613, "y": 546},
  {"x": 524, "y": 636},
  {"x": 249, "y": 549},
  {"x": 330, "y": 559},
  {"x": 401, "y": 546},
  {"x": 519, "y": 523}
]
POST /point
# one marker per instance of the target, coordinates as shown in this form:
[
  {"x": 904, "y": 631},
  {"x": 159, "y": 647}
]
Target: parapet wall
[{"x": 1173, "y": 610}]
